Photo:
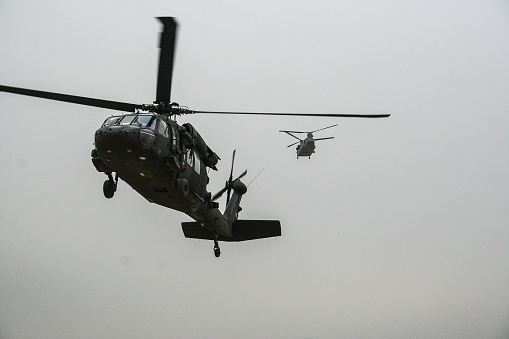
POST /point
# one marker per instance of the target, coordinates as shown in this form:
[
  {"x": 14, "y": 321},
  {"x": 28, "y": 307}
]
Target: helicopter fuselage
[
  {"x": 306, "y": 148},
  {"x": 162, "y": 161}
]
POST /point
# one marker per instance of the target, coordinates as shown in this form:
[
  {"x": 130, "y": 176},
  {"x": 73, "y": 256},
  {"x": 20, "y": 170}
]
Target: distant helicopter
[
  {"x": 306, "y": 147},
  {"x": 166, "y": 162}
]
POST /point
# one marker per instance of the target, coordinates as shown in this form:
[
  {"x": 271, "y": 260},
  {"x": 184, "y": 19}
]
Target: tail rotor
[{"x": 229, "y": 184}]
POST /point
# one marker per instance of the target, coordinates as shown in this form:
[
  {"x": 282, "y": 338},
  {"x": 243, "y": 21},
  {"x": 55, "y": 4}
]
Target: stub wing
[{"x": 243, "y": 230}]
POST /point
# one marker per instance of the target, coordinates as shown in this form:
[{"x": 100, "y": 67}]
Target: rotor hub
[{"x": 166, "y": 108}]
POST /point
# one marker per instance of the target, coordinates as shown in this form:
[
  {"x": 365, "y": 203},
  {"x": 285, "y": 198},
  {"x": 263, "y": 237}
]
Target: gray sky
[{"x": 396, "y": 228}]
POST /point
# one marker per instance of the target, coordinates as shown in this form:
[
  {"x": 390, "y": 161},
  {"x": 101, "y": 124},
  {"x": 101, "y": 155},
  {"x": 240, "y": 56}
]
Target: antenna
[{"x": 255, "y": 177}]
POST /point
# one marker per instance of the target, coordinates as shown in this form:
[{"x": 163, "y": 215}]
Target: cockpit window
[
  {"x": 111, "y": 121},
  {"x": 141, "y": 120},
  {"x": 127, "y": 119},
  {"x": 146, "y": 120}
]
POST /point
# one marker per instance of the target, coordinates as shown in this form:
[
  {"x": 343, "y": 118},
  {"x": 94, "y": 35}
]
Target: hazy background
[{"x": 396, "y": 228}]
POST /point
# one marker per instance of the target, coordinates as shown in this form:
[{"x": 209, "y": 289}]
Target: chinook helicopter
[
  {"x": 167, "y": 163},
  {"x": 306, "y": 147}
]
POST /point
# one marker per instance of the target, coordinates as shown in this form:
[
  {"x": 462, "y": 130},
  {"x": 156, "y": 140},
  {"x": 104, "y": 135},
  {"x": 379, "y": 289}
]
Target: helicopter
[
  {"x": 168, "y": 163},
  {"x": 306, "y": 147}
]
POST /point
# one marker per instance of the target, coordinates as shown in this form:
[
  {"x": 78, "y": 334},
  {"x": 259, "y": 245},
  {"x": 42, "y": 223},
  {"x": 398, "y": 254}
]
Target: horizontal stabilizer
[{"x": 242, "y": 230}]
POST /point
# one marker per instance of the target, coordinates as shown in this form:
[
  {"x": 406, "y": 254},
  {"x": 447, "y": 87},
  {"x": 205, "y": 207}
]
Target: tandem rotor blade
[
  {"x": 166, "y": 56},
  {"x": 341, "y": 115},
  {"x": 74, "y": 99},
  {"x": 321, "y": 129},
  {"x": 323, "y": 138},
  {"x": 290, "y": 134}
]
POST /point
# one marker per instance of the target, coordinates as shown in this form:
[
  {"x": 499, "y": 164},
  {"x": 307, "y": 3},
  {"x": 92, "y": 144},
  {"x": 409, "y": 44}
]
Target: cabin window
[
  {"x": 196, "y": 163},
  {"x": 173, "y": 138},
  {"x": 190, "y": 158},
  {"x": 193, "y": 161}
]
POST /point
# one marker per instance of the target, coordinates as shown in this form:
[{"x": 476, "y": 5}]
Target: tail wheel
[
  {"x": 182, "y": 188},
  {"x": 217, "y": 251}
]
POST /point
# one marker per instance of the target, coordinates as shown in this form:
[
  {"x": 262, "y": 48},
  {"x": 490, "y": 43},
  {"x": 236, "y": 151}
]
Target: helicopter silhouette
[
  {"x": 168, "y": 163},
  {"x": 306, "y": 147}
]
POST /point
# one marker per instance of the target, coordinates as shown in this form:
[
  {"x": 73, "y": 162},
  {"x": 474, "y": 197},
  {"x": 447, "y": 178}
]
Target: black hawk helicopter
[
  {"x": 166, "y": 162},
  {"x": 306, "y": 147}
]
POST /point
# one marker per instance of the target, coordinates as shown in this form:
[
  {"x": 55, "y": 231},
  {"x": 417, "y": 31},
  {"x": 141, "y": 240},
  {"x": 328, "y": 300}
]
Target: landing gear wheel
[
  {"x": 110, "y": 185},
  {"x": 182, "y": 188},
  {"x": 109, "y": 189}
]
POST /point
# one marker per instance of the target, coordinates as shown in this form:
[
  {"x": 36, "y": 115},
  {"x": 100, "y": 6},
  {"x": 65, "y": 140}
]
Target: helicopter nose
[
  {"x": 147, "y": 138},
  {"x": 122, "y": 138}
]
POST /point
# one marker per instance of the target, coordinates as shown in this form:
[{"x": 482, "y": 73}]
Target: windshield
[
  {"x": 146, "y": 120},
  {"x": 111, "y": 121},
  {"x": 141, "y": 120},
  {"x": 127, "y": 119}
]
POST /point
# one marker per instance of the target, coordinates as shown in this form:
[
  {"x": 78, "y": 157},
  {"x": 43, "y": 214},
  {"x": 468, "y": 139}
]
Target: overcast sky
[{"x": 396, "y": 228}]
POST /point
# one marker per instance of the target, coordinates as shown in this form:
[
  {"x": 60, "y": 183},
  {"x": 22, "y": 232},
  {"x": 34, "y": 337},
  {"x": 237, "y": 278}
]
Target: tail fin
[{"x": 243, "y": 230}]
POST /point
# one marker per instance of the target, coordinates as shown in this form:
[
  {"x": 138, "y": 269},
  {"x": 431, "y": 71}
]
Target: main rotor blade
[
  {"x": 295, "y": 143},
  {"x": 321, "y": 129},
  {"x": 166, "y": 55},
  {"x": 342, "y": 115},
  {"x": 74, "y": 99}
]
